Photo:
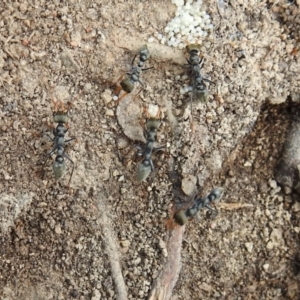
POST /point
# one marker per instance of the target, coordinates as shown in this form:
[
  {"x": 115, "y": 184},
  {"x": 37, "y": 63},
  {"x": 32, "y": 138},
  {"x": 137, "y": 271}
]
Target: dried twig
[
  {"x": 112, "y": 251},
  {"x": 232, "y": 206},
  {"x": 165, "y": 283}
]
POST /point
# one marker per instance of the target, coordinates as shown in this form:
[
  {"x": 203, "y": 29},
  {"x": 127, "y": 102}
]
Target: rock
[
  {"x": 57, "y": 229},
  {"x": 129, "y": 115},
  {"x": 106, "y": 96},
  {"x": 288, "y": 169},
  {"x": 249, "y": 247},
  {"x": 96, "y": 295},
  {"x": 188, "y": 184}
]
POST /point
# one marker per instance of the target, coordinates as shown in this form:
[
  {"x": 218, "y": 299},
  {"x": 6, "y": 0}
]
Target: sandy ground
[{"x": 105, "y": 236}]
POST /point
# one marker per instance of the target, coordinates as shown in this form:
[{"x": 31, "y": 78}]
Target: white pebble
[
  {"x": 188, "y": 6},
  {"x": 196, "y": 22},
  {"x": 177, "y": 21},
  {"x": 182, "y": 91},
  {"x": 150, "y": 40},
  {"x": 184, "y": 32},
  {"x": 115, "y": 97},
  {"x": 189, "y": 25},
  {"x": 181, "y": 46},
  {"x": 178, "y": 2}
]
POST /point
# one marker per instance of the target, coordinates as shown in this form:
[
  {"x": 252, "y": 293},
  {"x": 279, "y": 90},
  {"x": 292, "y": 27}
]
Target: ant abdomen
[
  {"x": 143, "y": 170},
  {"x": 59, "y": 167},
  {"x": 127, "y": 85}
]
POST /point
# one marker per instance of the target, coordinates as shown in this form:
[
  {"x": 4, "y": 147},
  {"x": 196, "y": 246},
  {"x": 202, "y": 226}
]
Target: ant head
[
  {"x": 193, "y": 48},
  {"x": 59, "y": 117},
  {"x": 127, "y": 85},
  {"x": 180, "y": 217},
  {"x": 60, "y": 112}
]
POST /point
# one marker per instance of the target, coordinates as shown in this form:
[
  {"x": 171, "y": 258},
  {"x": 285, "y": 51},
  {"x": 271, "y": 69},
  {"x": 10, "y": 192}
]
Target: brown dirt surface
[{"x": 105, "y": 235}]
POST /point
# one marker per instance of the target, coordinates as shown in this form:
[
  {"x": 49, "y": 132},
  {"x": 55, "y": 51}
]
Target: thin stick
[
  {"x": 168, "y": 277},
  {"x": 112, "y": 251},
  {"x": 232, "y": 206}
]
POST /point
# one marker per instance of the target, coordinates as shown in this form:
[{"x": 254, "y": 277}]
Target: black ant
[
  {"x": 152, "y": 125},
  {"x": 182, "y": 216},
  {"x": 60, "y": 116},
  {"x": 196, "y": 64},
  {"x": 127, "y": 84}
]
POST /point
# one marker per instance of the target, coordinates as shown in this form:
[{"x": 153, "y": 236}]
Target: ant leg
[
  {"x": 158, "y": 148},
  {"x": 207, "y": 80},
  {"x": 138, "y": 91},
  {"x": 52, "y": 151},
  {"x": 141, "y": 83},
  {"x": 201, "y": 62},
  {"x": 140, "y": 148},
  {"x": 118, "y": 87},
  {"x": 145, "y": 133},
  {"x": 43, "y": 168},
  {"x": 213, "y": 210},
  {"x": 71, "y": 139},
  {"x": 145, "y": 69},
  {"x": 143, "y": 87},
  {"x": 73, "y": 166},
  {"x": 122, "y": 96},
  {"x": 119, "y": 79},
  {"x": 133, "y": 60},
  {"x": 44, "y": 164},
  {"x": 117, "y": 90},
  {"x": 151, "y": 164},
  {"x": 191, "y": 113},
  {"x": 51, "y": 138}
]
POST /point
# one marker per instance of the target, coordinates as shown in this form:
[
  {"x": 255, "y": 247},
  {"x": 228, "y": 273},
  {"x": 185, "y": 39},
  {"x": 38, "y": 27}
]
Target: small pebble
[
  {"x": 266, "y": 267},
  {"x": 273, "y": 183},
  {"x": 110, "y": 113},
  {"x": 58, "y": 229},
  {"x": 249, "y": 247}
]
